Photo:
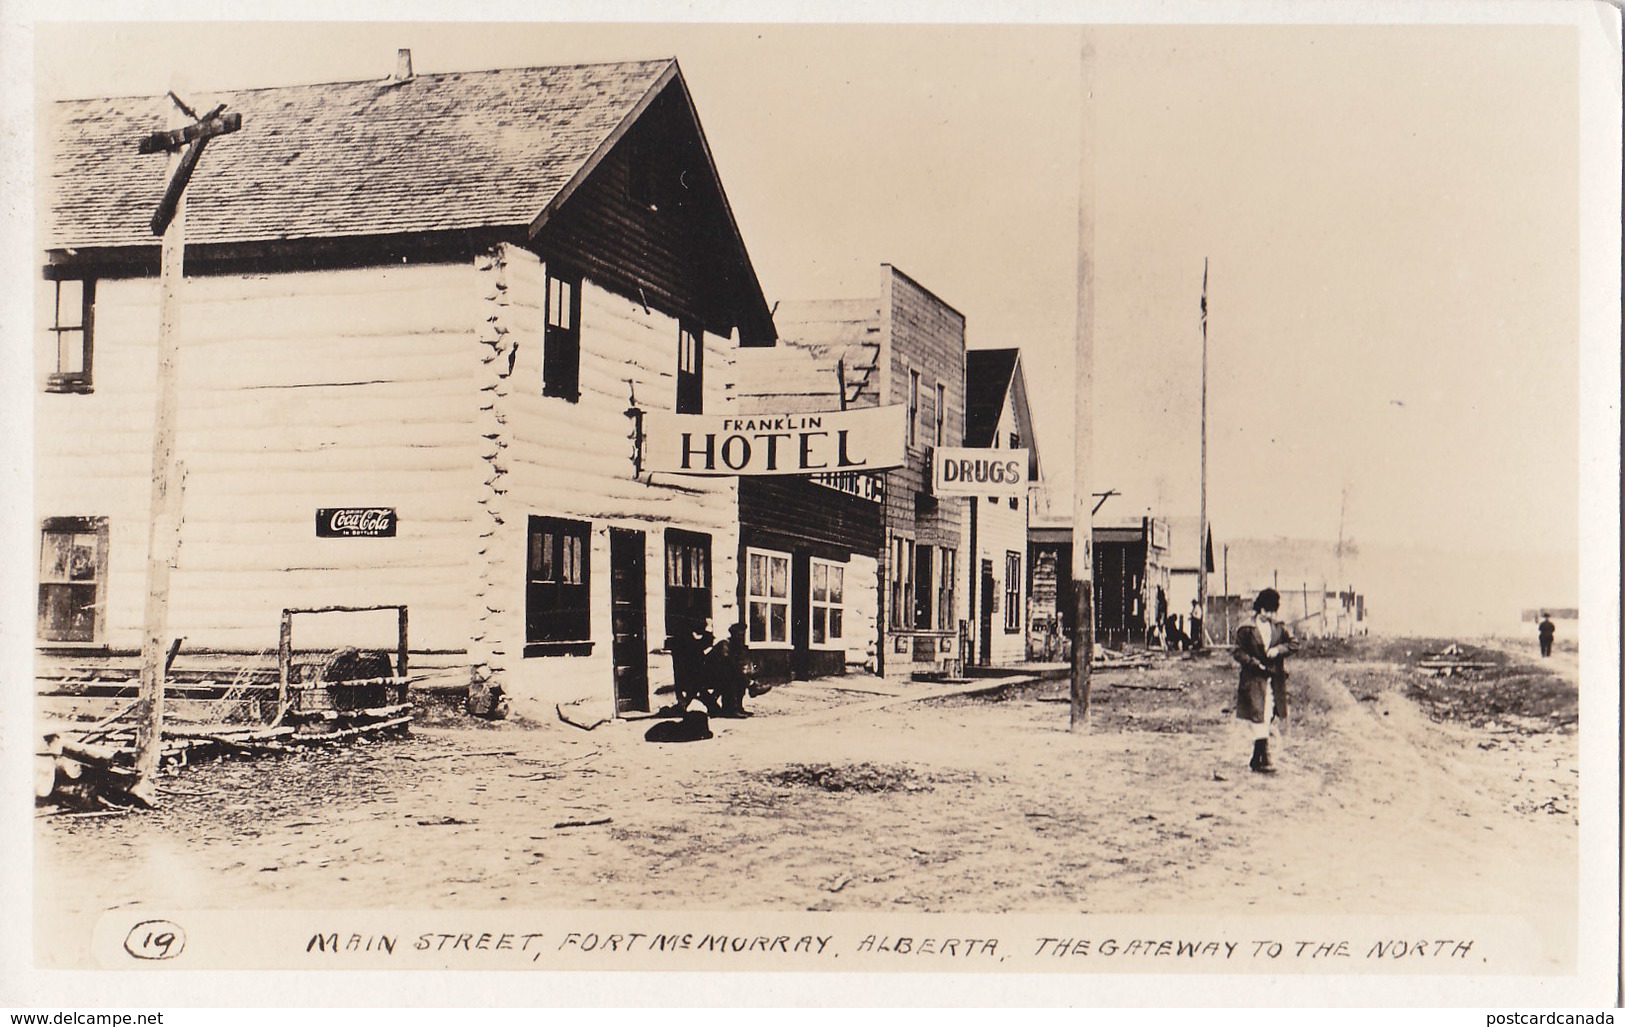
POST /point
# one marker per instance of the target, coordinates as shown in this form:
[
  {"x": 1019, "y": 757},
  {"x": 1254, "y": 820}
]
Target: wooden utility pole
[
  {"x": 1083, "y": 622},
  {"x": 184, "y": 142},
  {"x": 1201, "y": 516}
]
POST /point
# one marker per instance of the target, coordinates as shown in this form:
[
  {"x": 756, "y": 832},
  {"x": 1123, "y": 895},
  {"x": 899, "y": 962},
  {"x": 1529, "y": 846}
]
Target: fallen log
[
  {"x": 103, "y": 726},
  {"x": 100, "y": 757},
  {"x": 580, "y": 823},
  {"x": 248, "y": 733},
  {"x": 333, "y": 736}
]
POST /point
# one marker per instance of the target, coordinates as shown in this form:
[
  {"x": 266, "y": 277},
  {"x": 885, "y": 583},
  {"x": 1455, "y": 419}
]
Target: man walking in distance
[
  {"x": 1262, "y": 648},
  {"x": 1548, "y": 631}
]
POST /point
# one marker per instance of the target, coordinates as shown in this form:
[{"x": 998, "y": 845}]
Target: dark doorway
[
  {"x": 985, "y": 635},
  {"x": 628, "y": 620}
]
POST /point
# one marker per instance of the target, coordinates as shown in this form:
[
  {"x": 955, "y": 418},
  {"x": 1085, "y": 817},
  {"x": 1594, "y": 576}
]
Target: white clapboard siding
[
  {"x": 1001, "y": 530},
  {"x": 269, "y": 433}
]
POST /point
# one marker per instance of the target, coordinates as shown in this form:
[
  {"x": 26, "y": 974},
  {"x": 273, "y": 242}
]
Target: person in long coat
[{"x": 1262, "y": 648}]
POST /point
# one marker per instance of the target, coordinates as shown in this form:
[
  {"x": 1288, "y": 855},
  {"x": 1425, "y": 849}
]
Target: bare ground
[{"x": 1398, "y": 794}]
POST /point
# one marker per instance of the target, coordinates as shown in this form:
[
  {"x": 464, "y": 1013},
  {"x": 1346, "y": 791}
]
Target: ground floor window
[
  {"x": 901, "y": 573},
  {"x": 73, "y": 579},
  {"x": 945, "y": 589},
  {"x": 924, "y": 599},
  {"x": 828, "y": 597},
  {"x": 557, "y": 586},
  {"x": 688, "y": 580},
  {"x": 1012, "y": 592},
  {"x": 767, "y": 597}
]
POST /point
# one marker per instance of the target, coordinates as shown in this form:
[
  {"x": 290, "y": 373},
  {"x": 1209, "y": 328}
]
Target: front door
[
  {"x": 989, "y": 587},
  {"x": 628, "y": 620}
]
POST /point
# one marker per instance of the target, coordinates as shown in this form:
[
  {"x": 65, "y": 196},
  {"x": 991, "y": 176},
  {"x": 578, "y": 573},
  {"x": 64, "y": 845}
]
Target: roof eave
[{"x": 761, "y": 331}]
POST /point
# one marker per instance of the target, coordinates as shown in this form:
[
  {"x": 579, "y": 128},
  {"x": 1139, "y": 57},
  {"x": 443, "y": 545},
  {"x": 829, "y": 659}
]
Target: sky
[{"x": 1390, "y": 216}]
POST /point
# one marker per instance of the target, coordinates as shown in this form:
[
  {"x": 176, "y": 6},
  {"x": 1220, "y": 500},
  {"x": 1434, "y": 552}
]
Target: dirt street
[{"x": 837, "y": 798}]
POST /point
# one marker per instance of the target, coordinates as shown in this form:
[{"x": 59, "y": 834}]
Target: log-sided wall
[
  {"x": 545, "y": 456},
  {"x": 297, "y": 391}
]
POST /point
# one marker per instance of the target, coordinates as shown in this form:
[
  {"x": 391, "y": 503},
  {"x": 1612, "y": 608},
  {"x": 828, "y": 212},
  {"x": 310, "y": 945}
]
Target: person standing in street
[
  {"x": 1195, "y": 620},
  {"x": 1262, "y": 648},
  {"x": 1548, "y": 631}
]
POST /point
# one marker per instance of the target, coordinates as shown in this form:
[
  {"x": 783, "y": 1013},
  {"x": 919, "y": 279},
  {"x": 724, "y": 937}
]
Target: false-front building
[{"x": 905, "y": 347}]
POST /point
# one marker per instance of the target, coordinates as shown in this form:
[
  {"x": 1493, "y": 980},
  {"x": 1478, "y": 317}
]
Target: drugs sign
[
  {"x": 870, "y": 439},
  {"x": 957, "y": 471}
]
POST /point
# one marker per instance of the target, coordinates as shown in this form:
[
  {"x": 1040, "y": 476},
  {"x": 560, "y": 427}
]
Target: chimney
[{"x": 403, "y": 65}]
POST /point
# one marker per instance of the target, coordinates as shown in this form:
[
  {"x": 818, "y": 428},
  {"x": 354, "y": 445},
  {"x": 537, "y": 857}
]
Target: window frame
[
  {"x": 97, "y": 527},
  {"x": 902, "y": 583},
  {"x": 561, "y": 341},
  {"x": 947, "y": 558},
  {"x": 832, "y": 606},
  {"x": 913, "y": 406},
  {"x": 79, "y": 381},
  {"x": 566, "y": 603},
  {"x": 1012, "y": 592},
  {"x": 688, "y": 556},
  {"x": 766, "y": 599},
  {"x": 924, "y": 592},
  {"x": 690, "y": 379},
  {"x": 941, "y": 412}
]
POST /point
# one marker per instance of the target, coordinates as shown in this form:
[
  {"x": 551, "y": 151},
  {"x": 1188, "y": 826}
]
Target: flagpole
[{"x": 1201, "y": 526}]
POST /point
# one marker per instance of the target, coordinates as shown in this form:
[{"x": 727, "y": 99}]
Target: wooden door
[
  {"x": 628, "y": 620},
  {"x": 986, "y": 634}
]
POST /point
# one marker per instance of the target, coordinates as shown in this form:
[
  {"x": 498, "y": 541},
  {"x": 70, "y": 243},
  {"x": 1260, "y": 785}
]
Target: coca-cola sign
[{"x": 356, "y": 522}]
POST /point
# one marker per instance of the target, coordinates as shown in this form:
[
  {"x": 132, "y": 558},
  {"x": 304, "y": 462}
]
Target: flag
[{"x": 1204, "y": 297}]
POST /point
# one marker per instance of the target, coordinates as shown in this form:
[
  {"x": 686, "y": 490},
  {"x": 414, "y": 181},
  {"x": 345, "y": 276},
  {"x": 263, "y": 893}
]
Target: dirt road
[{"x": 836, "y": 800}]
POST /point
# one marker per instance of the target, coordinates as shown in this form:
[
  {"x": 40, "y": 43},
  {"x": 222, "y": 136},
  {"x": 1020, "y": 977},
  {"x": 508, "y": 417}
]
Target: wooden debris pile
[
  {"x": 1454, "y": 659},
  {"x": 90, "y": 766},
  {"x": 1109, "y": 659}
]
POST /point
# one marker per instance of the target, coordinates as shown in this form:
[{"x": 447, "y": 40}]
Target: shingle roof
[
  {"x": 987, "y": 382},
  {"x": 430, "y": 153}
]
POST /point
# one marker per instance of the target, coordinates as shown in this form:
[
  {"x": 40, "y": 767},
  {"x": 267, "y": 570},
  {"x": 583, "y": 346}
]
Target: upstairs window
[
  {"x": 558, "y": 614},
  {"x": 73, "y": 579},
  {"x": 1015, "y": 443},
  {"x": 913, "y": 407},
  {"x": 942, "y": 408},
  {"x": 561, "y": 339},
  {"x": 72, "y": 331},
  {"x": 690, "y": 370}
]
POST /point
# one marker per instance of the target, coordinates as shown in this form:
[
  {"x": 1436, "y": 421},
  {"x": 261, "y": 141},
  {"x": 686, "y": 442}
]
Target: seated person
[
  {"x": 689, "y": 677},
  {"x": 725, "y": 673}
]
